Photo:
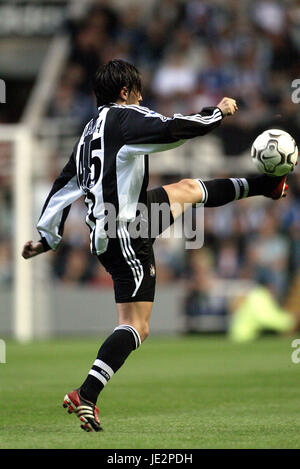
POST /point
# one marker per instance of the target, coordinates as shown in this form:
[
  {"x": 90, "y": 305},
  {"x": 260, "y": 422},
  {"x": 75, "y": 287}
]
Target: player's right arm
[{"x": 64, "y": 192}]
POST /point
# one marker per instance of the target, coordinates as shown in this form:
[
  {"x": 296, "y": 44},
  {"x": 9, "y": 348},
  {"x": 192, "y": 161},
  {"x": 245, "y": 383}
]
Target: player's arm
[
  {"x": 187, "y": 127},
  {"x": 147, "y": 131},
  {"x": 64, "y": 192}
]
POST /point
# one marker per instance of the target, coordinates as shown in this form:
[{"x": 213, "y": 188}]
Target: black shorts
[{"x": 130, "y": 260}]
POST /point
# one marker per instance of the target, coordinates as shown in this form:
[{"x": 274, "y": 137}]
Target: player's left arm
[
  {"x": 150, "y": 132},
  {"x": 64, "y": 192},
  {"x": 187, "y": 127}
]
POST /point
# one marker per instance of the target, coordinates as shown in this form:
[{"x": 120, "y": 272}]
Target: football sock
[
  {"x": 219, "y": 192},
  {"x": 111, "y": 356}
]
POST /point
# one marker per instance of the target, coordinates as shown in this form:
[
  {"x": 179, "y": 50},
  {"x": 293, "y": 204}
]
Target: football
[{"x": 274, "y": 152}]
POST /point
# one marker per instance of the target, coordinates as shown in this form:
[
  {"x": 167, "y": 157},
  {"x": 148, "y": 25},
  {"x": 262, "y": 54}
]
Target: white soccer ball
[{"x": 274, "y": 152}]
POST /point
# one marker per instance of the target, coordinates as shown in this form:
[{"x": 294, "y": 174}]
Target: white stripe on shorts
[{"x": 130, "y": 257}]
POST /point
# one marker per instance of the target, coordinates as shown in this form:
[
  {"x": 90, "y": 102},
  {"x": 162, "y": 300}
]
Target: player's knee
[{"x": 189, "y": 186}]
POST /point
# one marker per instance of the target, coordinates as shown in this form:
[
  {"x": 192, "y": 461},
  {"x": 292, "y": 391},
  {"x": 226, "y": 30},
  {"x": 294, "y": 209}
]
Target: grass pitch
[{"x": 181, "y": 392}]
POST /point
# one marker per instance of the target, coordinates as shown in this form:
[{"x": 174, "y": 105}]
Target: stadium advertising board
[{"x": 31, "y": 18}]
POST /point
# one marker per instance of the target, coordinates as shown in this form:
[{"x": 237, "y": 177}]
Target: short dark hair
[{"x": 110, "y": 79}]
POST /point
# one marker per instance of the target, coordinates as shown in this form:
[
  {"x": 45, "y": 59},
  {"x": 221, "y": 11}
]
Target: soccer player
[{"x": 109, "y": 166}]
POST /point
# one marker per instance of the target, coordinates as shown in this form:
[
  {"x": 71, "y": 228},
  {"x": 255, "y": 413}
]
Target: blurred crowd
[{"x": 191, "y": 54}]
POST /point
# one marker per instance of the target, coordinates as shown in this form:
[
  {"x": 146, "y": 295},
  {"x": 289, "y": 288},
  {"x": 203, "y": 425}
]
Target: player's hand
[
  {"x": 228, "y": 106},
  {"x": 32, "y": 249}
]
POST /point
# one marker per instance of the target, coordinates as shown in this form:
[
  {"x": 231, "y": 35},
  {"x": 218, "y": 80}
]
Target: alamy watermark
[
  {"x": 152, "y": 221},
  {"x": 2, "y": 351},
  {"x": 296, "y": 353},
  {"x": 296, "y": 93},
  {"x": 2, "y": 91}
]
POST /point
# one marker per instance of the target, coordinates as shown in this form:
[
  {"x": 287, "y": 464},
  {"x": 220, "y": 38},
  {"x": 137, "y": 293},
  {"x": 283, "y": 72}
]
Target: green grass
[{"x": 181, "y": 392}]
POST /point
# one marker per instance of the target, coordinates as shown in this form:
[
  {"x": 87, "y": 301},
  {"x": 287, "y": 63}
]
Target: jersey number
[{"x": 89, "y": 164}]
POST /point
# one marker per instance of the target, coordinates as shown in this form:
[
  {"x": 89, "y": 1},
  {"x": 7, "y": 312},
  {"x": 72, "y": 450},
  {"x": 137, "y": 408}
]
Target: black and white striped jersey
[{"x": 109, "y": 165}]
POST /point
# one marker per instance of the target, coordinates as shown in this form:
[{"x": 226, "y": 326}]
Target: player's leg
[
  {"x": 131, "y": 264},
  {"x": 217, "y": 192},
  {"x": 132, "y": 330},
  {"x": 173, "y": 199},
  {"x": 126, "y": 337}
]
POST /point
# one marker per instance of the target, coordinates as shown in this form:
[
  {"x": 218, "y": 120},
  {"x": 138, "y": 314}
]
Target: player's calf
[
  {"x": 222, "y": 191},
  {"x": 218, "y": 192}
]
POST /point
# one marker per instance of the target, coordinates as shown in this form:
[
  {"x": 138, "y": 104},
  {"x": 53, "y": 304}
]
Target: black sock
[
  {"x": 219, "y": 192},
  {"x": 111, "y": 356}
]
